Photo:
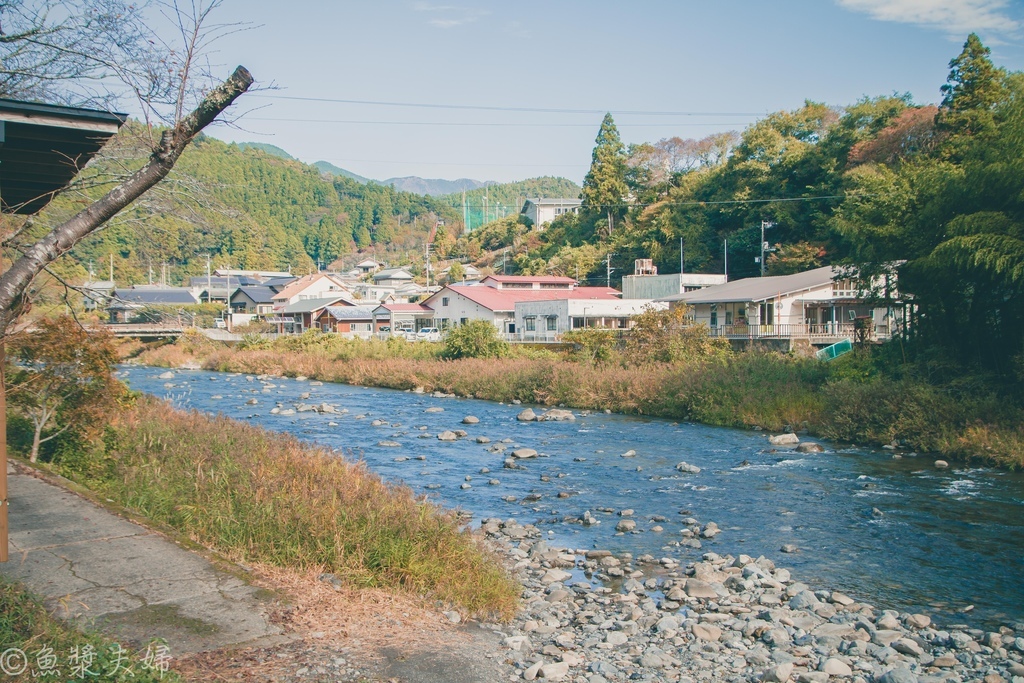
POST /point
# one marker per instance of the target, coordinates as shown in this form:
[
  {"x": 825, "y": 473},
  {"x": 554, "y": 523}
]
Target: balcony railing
[{"x": 836, "y": 330}]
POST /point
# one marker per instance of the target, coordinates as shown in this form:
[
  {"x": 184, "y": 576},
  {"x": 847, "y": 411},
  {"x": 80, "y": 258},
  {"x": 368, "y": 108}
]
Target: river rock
[
  {"x": 625, "y": 525},
  {"x": 524, "y": 453},
  {"x": 907, "y": 646},
  {"x": 706, "y": 632},
  {"x": 389, "y": 444},
  {"x": 554, "y": 671},
  {"x": 434, "y": 409},
  {"x": 470, "y": 420},
  {"x": 809, "y": 447},
  {"x": 482, "y": 439},
  {"x": 326, "y": 408},
  {"x": 789, "y": 548},
  {"x": 629, "y": 454},
  {"x": 527, "y": 416},
  {"x": 836, "y": 667},
  {"x": 696, "y": 588},
  {"x": 899, "y": 675},
  {"x": 779, "y": 674},
  {"x": 556, "y": 415},
  {"x": 166, "y": 375},
  {"x": 941, "y": 464},
  {"x": 251, "y": 402},
  {"x": 687, "y": 468},
  {"x": 789, "y": 439},
  {"x": 447, "y": 435}
]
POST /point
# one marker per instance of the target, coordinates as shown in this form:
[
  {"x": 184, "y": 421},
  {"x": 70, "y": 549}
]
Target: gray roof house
[
  {"x": 820, "y": 306},
  {"x": 392, "y": 276},
  {"x": 258, "y": 300}
]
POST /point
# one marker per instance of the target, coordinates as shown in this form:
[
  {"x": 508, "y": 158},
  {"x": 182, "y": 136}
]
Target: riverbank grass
[
  {"x": 258, "y": 496},
  {"x": 53, "y": 649}
]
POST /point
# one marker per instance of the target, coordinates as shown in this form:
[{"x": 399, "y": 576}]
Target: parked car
[
  {"x": 219, "y": 323},
  {"x": 429, "y": 334}
]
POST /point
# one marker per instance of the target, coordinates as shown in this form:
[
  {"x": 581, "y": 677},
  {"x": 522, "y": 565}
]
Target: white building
[
  {"x": 658, "y": 286},
  {"x": 314, "y": 286},
  {"x": 817, "y": 305},
  {"x": 547, "y": 320},
  {"x": 458, "y": 304},
  {"x": 542, "y": 211}
]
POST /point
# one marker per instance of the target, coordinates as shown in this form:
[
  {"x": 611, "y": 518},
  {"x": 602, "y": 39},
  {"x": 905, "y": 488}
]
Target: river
[{"x": 946, "y": 539}]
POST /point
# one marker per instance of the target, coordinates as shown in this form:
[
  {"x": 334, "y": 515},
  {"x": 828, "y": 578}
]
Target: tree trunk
[
  {"x": 62, "y": 238},
  {"x": 15, "y": 281},
  {"x": 34, "y": 455}
]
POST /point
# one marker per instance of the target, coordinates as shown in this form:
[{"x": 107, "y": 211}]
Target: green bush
[{"x": 474, "y": 339}]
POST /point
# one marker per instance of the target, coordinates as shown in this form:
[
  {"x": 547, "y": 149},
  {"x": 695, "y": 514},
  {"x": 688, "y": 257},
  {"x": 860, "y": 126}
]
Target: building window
[
  {"x": 444, "y": 301},
  {"x": 463, "y": 321},
  {"x": 714, "y": 315},
  {"x": 577, "y": 323},
  {"x": 552, "y": 323},
  {"x": 531, "y": 324}
]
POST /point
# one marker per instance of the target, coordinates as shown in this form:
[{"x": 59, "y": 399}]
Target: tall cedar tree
[
  {"x": 973, "y": 89},
  {"x": 604, "y": 187}
]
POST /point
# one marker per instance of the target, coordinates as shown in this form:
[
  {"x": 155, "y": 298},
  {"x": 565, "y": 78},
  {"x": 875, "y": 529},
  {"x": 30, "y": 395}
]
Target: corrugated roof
[
  {"x": 407, "y": 308},
  {"x": 310, "y": 305},
  {"x": 391, "y": 273},
  {"x": 540, "y": 279},
  {"x": 757, "y": 288},
  {"x": 350, "y": 312},
  {"x": 505, "y": 299}
]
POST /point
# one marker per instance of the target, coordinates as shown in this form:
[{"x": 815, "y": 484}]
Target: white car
[{"x": 429, "y": 334}]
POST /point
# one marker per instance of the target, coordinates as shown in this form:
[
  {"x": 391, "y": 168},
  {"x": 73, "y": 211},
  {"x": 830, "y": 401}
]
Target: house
[
  {"x": 208, "y": 288},
  {"x": 392, "y": 276},
  {"x": 368, "y": 266},
  {"x": 314, "y": 286},
  {"x": 96, "y": 294},
  {"x": 348, "y": 321},
  {"x": 542, "y": 211},
  {"x": 528, "y": 282},
  {"x": 258, "y": 300},
  {"x": 659, "y": 286},
  {"x": 817, "y": 305},
  {"x": 469, "y": 272},
  {"x": 458, "y": 304},
  {"x": 546, "y": 320},
  {"x": 296, "y": 318},
  {"x": 279, "y": 283},
  {"x": 403, "y": 317},
  {"x": 127, "y": 305}
]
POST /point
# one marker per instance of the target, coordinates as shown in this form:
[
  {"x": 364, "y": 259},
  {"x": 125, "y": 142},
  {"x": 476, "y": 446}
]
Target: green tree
[
  {"x": 61, "y": 378},
  {"x": 669, "y": 336},
  {"x": 972, "y": 91},
  {"x": 605, "y": 187},
  {"x": 456, "y": 273}
]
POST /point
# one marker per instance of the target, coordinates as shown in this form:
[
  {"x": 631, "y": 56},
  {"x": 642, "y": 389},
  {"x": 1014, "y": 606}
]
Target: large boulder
[
  {"x": 527, "y": 416},
  {"x": 784, "y": 439},
  {"x": 524, "y": 453},
  {"x": 556, "y": 415}
]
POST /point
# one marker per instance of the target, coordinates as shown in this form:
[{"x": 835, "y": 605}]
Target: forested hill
[
  {"x": 248, "y": 207},
  {"x": 253, "y": 206}
]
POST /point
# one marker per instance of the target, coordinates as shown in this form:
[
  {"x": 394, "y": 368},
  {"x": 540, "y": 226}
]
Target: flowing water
[{"x": 946, "y": 539}]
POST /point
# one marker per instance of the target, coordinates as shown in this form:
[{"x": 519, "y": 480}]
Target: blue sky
[{"x": 712, "y": 66}]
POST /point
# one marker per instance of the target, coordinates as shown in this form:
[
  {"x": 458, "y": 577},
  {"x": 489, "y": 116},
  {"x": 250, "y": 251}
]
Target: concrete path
[{"x": 133, "y": 584}]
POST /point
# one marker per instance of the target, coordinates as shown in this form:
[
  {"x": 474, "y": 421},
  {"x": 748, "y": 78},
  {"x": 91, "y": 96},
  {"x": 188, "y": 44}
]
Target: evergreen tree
[
  {"x": 972, "y": 91},
  {"x": 604, "y": 187}
]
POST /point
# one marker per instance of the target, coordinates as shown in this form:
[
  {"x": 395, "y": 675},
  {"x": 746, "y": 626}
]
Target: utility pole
[
  {"x": 725, "y": 250},
  {"x": 465, "y": 216},
  {"x": 764, "y": 245},
  {"x": 209, "y": 293},
  {"x": 682, "y": 257},
  {"x": 608, "y": 268},
  {"x": 111, "y": 267}
]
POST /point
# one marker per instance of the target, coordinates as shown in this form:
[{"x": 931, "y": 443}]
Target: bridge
[{"x": 145, "y": 330}]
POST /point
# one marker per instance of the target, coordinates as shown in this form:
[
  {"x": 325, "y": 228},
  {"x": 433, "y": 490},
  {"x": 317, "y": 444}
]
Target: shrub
[{"x": 474, "y": 339}]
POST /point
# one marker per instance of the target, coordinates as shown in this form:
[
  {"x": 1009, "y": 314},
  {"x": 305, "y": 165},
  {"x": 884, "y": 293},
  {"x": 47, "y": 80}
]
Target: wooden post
[{"x": 3, "y": 459}]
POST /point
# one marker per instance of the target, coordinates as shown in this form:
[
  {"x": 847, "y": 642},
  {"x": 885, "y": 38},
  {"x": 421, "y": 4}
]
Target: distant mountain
[
  {"x": 272, "y": 150},
  {"x": 434, "y": 186},
  {"x": 327, "y": 167}
]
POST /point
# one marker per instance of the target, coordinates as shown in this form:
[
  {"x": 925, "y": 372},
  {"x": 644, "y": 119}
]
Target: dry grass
[{"x": 258, "y": 496}]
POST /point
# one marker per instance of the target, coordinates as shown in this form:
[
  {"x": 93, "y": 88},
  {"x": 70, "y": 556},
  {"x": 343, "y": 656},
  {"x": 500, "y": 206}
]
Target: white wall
[{"x": 460, "y": 307}]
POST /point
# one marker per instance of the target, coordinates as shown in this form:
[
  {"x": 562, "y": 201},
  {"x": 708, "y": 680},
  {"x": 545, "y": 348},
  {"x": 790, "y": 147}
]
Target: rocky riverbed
[{"x": 591, "y": 617}]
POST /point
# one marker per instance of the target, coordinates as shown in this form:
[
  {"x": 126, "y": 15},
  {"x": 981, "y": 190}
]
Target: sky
[{"x": 518, "y": 89}]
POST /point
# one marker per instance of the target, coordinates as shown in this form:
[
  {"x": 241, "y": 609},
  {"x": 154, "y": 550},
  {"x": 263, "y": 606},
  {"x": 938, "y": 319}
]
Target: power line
[
  {"x": 498, "y": 125},
  {"x": 479, "y": 107}
]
